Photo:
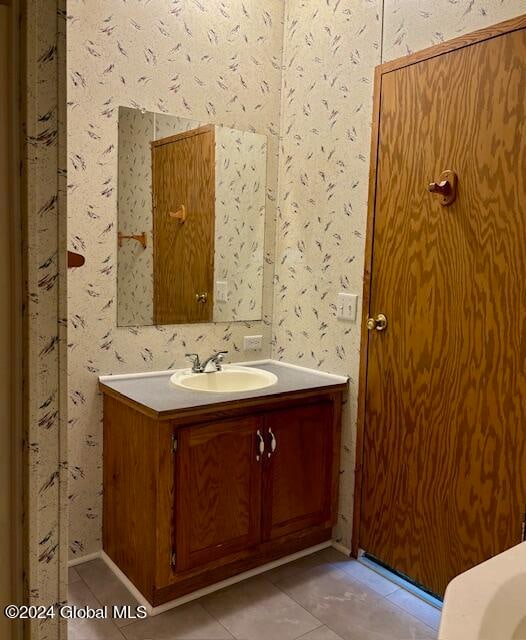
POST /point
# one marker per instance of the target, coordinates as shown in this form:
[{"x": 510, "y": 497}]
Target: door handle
[
  {"x": 201, "y": 298},
  {"x": 261, "y": 445},
  {"x": 379, "y": 323},
  {"x": 273, "y": 442}
]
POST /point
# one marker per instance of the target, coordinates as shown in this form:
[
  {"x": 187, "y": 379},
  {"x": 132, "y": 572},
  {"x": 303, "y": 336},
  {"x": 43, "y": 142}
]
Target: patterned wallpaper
[
  {"x": 169, "y": 125},
  {"x": 241, "y": 159},
  {"x": 134, "y": 187},
  {"x": 209, "y": 61},
  {"x": 411, "y": 25}
]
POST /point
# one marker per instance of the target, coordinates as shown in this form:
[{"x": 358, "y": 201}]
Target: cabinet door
[
  {"x": 299, "y": 487},
  {"x": 218, "y": 491}
]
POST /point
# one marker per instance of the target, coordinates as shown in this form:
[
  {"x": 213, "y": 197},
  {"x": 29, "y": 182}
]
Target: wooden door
[
  {"x": 444, "y": 385},
  {"x": 183, "y": 168},
  {"x": 218, "y": 491},
  {"x": 298, "y": 474}
]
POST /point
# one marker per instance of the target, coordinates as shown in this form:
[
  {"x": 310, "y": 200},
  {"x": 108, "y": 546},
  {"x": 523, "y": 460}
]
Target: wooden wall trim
[
  {"x": 19, "y": 535},
  {"x": 7, "y": 320},
  {"x": 364, "y": 343},
  {"x": 499, "y": 29},
  {"x": 467, "y": 40}
]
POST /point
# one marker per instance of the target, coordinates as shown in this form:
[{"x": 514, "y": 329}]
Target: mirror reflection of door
[
  {"x": 183, "y": 167},
  {"x": 232, "y": 166}
]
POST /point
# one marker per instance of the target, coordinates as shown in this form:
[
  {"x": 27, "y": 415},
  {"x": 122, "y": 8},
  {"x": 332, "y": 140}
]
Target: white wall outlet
[
  {"x": 347, "y": 306},
  {"x": 221, "y": 290},
  {"x": 252, "y": 343}
]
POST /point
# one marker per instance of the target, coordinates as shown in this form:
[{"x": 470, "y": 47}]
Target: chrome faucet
[{"x": 210, "y": 365}]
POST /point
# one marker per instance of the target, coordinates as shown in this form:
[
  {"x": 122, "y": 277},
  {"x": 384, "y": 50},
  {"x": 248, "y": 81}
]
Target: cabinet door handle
[
  {"x": 261, "y": 445},
  {"x": 273, "y": 442}
]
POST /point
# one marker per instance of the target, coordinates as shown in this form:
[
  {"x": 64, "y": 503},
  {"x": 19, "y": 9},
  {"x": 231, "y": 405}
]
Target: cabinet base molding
[
  {"x": 155, "y": 611},
  {"x": 74, "y": 562}
]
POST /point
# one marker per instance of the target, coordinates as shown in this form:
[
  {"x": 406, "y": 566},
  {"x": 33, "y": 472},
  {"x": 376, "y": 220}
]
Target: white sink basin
[{"x": 231, "y": 379}]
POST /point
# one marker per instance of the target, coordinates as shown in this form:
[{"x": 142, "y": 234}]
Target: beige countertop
[{"x": 158, "y": 395}]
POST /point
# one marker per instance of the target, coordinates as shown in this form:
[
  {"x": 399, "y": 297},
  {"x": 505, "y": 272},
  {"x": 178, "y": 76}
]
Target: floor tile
[
  {"x": 257, "y": 610},
  {"x": 323, "y": 557},
  {"x": 321, "y": 633},
  {"x": 351, "y": 608},
  {"x": 416, "y": 607},
  {"x": 333, "y": 555},
  {"x": 323, "y": 596},
  {"x": 369, "y": 577},
  {"x": 107, "y": 588},
  {"x": 73, "y": 575},
  {"x": 187, "y": 622},
  {"x": 81, "y": 596}
]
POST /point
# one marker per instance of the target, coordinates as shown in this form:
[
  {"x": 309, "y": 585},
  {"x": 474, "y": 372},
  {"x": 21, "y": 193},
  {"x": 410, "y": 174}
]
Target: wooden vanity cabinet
[{"x": 200, "y": 496}]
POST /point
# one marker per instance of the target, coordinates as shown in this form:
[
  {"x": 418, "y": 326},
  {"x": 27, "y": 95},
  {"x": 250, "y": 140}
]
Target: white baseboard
[
  {"x": 128, "y": 584},
  {"x": 339, "y": 547},
  {"x": 91, "y": 556},
  {"x": 155, "y": 611}
]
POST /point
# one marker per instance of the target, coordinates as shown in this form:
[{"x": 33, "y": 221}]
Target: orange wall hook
[{"x": 446, "y": 187}]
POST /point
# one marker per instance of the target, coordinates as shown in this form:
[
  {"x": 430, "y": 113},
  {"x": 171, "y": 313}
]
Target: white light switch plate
[
  {"x": 347, "y": 306},
  {"x": 221, "y": 290},
  {"x": 252, "y": 343}
]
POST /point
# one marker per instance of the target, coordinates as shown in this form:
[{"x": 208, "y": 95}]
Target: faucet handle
[
  {"x": 194, "y": 359},
  {"x": 217, "y": 359}
]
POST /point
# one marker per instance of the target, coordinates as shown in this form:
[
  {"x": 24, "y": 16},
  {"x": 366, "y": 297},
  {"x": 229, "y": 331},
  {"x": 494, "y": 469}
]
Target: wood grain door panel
[
  {"x": 183, "y": 168},
  {"x": 218, "y": 491},
  {"x": 444, "y": 470},
  {"x": 298, "y": 475}
]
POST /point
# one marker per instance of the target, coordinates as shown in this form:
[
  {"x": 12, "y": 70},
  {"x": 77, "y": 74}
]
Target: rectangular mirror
[{"x": 191, "y": 221}]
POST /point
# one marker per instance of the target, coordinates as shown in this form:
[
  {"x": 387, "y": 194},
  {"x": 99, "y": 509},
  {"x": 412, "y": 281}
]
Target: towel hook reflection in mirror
[
  {"x": 141, "y": 238},
  {"x": 180, "y": 214}
]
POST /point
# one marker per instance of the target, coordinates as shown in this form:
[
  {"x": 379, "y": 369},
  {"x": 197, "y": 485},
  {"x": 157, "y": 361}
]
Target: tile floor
[{"x": 325, "y": 596}]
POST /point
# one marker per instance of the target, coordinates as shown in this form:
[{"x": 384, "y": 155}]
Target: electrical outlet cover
[{"x": 252, "y": 343}]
